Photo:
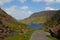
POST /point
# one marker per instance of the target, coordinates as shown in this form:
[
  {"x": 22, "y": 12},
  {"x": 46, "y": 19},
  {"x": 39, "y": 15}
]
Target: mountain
[
  {"x": 10, "y": 21},
  {"x": 39, "y": 17},
  {"x": 9, "y": 26},
  {"x": 7, "y": 18},
  {"x": 54, "y": 25}
]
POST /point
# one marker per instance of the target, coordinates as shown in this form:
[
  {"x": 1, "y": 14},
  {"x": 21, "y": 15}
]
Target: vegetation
[
  {"x": 16, "y": 37},
  {"x": 8, "y": 23},
  {"x": 38, "y": 20},
  {"x": 21, "y": 36},
  {"x": 22, "y": 31},
  {"x": 52, "y": 38},
  {"x": 54, "y": 20},
  {"x": 28, "y": 35},
  {"x": 54, "y": 25},
  {"x": 39, "y": 17}
]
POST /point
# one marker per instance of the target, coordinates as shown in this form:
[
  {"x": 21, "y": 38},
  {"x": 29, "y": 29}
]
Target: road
[{"x": 39, "y": 35}]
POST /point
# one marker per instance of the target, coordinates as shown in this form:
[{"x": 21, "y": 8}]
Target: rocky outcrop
[
  {"x": 5, "y": 31},
  {"x": 54, "y": 25}
]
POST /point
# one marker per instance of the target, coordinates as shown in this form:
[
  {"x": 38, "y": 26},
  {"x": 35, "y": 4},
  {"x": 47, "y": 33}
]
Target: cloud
[
  {"x": 49, "y": 8},
  {"x": 36, "y": 0},
  {"x": 24, "y": 7},
  {"x": 4, "y": 1},
  {"x": 18, "y": 13},
  {"x": 11, "y": 9},
  {"x": 58, "y": 1},
  {"x": 48, "y": 2},
  {"x": 22, "y": 1},
  {"x": 30, "y": 12}
]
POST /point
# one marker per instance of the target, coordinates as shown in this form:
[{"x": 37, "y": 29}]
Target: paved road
[{"x": 39, "y": 35}]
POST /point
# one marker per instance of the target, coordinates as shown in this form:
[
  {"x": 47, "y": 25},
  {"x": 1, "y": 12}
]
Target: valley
[{"x": 31, "y": 27}]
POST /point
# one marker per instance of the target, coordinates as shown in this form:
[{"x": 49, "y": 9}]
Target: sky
[{"x": 21, "y": 9}]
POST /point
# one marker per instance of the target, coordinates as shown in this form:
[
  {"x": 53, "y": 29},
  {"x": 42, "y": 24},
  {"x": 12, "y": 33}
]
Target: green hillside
[{"x": 39, "y": 17}]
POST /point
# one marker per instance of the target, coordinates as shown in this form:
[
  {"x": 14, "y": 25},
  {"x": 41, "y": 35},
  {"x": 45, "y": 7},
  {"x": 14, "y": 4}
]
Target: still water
[{"x": 35, "y": 26}]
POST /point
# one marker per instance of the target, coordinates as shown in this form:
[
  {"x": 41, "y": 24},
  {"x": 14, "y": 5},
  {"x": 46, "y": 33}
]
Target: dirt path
[{"x": 39, "y": 35}]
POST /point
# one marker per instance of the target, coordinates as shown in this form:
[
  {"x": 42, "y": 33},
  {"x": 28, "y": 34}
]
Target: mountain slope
[
  {"x": 7, "y": 23},
  {"x": 11, "y": 22},
  {"x": 10, "y": 27},
  {"x": 39, "y": 17},
  {"x": 7, "y": 18}
]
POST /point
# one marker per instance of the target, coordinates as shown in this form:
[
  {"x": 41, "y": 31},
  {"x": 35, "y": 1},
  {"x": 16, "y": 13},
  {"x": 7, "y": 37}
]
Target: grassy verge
[
  {"x": 21, "y": 36},
  {"x": 52, "y": 38},
  {"x": 16, "y": 37},
  {"x": 28, "y": 35}
]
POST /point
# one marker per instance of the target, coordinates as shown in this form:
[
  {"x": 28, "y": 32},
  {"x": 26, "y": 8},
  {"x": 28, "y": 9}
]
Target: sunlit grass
[
  {"x": 21, "y": 36},
  {"x": 16, "y": 37},
  {"x": 28, "y": 35}
]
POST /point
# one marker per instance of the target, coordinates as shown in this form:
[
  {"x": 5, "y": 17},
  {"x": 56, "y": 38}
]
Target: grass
[
  {"x": 52, "y": 38},
  {"x": 21, "y": 36},
  {"x": 12, "y": 26},
  {"x": 16, "y": 37},
  {"x": 28, "y": 35}
]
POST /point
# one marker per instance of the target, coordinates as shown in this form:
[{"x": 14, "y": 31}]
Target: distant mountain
[{"x": 39, "y": 17}]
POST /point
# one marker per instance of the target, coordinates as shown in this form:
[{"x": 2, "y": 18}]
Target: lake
[{"x": 35, "y": 26}]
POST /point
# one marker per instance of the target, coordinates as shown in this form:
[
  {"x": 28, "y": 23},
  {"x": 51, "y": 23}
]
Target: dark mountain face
[
  {"x": 39, "y": 17},
  {"x": 54, "y": 25},
  {"x": 5, "y": 18}
]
